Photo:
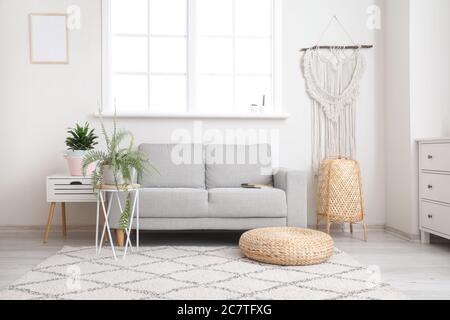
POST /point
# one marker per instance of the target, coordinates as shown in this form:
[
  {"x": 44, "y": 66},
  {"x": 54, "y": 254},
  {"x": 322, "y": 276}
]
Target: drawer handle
[
  {"x": 430, "y": 157},
  {"x": 76, "y": 183},
  {"x": 430, "y": 187},
  {"x": 430, "y": 216}
]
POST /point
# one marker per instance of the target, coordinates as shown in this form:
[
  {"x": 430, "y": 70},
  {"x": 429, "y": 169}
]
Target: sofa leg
[{"x": 120, "y": 236}]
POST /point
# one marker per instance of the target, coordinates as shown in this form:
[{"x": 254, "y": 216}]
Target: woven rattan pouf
[{"x": 287, "y": 246}]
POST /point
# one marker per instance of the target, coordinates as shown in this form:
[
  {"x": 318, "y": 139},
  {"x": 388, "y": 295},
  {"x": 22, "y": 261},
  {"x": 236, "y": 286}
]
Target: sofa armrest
[{"x": 294, "y": 183}]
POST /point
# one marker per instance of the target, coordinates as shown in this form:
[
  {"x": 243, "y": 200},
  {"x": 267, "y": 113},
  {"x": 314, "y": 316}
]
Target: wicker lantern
[{"x": 340, "y": 195}]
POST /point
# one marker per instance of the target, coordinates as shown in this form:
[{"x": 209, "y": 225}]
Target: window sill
[{"x": 231, "y": 116}]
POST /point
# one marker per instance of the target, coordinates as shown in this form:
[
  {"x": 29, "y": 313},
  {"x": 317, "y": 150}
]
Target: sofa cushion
[
  {"x": 173, "y": 203},
  {"x": 179, "y": 166},
  {"x": 229, "y": 166},
  {"x": 247, "y": 203}
]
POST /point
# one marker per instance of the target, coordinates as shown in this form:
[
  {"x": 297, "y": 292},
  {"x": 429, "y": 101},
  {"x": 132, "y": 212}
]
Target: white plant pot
[
  {"x": 108, "y": 176},
  {"x": 75, "y": 153}
]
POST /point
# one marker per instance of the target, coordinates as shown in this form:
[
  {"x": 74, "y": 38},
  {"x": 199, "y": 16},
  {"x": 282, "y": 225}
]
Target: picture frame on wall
[{"x": 48, "y": 38}]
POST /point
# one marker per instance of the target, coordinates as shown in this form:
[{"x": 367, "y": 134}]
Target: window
[{"x": 198, "y": 56}]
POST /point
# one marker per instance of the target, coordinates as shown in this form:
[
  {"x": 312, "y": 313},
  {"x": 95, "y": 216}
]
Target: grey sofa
[{"x": 199, "y": 188}]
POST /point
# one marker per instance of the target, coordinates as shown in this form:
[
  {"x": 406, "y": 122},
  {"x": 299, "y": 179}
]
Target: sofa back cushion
[
  {"x": 178, "y": 165},
  {"x": 229, "y": 166}
]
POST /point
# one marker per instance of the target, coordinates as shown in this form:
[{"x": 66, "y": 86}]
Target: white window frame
[{"x": 191, "y": 72}]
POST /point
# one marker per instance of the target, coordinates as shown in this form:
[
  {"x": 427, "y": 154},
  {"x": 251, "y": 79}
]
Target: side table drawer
[
  {"x": 70, "y": 190},
  {"x": 435, "y": 217},
  {"x": 435, "y": 187}
]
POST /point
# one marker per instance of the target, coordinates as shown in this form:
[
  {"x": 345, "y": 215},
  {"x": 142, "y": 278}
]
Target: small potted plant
[
  {"x": 80, "y": 140},
  {"x": 117, "y": 165}
]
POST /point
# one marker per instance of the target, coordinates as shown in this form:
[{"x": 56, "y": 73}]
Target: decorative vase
[{"x": 75, "y": 163}]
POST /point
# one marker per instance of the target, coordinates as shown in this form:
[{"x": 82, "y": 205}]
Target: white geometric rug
[{"x": 219, "y": 273}]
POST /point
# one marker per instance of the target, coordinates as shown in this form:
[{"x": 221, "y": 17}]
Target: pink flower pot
[{"x": 76, "y": 166}]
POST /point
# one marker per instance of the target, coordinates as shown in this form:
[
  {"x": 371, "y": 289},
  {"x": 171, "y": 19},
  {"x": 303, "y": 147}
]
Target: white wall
[
  {"x": 430, "y": 68},
  {"x": 305, "y": 21},
  {"x": 430, "y": 78},
  {"x": 417, "y": 98},
  {"x": 38, "y": 103},
  {"x": 397, "y": 116}
]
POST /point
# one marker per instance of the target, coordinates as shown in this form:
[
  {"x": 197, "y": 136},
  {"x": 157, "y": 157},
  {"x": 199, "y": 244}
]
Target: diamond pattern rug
[{"x": 168, "y": 272}]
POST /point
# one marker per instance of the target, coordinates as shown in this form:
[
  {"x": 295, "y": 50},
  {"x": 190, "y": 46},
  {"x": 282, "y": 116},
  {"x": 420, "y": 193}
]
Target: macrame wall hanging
[{"x": 333, "y": 75}]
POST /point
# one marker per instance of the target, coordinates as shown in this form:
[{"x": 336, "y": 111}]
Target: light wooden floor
[{"x": 419, "y": 271}]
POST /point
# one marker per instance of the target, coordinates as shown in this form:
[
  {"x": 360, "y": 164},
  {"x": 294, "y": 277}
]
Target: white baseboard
[
  {"x": 344, "y": 227},
  {"x": 358, "y": 228},
  {"x": 401, "y": 234},
  {"x": 55, "y": 228}
]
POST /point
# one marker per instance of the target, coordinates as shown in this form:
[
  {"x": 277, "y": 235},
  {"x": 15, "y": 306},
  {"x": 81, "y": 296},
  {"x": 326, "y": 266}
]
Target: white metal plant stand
[{"x": 109, "y": 193}]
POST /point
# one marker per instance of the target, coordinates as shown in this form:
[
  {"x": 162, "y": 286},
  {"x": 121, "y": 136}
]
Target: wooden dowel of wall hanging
[{"x": 339, "y": 47}]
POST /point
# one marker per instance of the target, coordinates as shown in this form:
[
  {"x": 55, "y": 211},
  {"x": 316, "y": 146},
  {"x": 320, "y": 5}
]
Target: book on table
[{"x": 255, "y": 186}]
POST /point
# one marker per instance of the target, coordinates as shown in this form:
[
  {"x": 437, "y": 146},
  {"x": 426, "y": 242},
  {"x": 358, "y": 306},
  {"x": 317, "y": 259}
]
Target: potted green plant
[
  {"x": 117, "y": 165},
  {"x": 80, "y": 140}
]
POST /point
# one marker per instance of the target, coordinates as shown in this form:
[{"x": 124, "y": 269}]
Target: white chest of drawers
[{"x": 434, "y": 188}]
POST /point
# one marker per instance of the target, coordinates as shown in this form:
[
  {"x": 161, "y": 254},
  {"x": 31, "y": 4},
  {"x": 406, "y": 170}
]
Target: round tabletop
[{"x": 119, "y": 188}]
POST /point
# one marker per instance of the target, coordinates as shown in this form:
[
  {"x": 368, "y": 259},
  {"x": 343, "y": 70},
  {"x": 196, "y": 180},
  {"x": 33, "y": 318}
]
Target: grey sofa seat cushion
[
  {"x": 179, "y": 166},
  {"x": 247, "y": 203},
  {"x": 229, "y": 166},
  {"x": 173, "y": 203}
]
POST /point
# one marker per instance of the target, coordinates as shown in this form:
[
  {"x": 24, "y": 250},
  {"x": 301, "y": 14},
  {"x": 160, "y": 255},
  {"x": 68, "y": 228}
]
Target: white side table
[
  {"x": 108, "y": 193},
  {"x": 65, "y": 189}
]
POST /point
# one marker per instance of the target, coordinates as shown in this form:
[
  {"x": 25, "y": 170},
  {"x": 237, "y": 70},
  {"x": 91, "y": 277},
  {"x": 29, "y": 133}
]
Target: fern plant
[
  {"x": 124, "y": 161},
  {"x": 81, "y": 138}
]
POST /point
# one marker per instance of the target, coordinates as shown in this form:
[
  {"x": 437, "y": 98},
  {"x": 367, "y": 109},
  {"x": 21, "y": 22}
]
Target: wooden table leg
[
  {"x": 120, "y": 235},
  {"x": 63, "y": 219},
  {"x": 50, "y": 219}
]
